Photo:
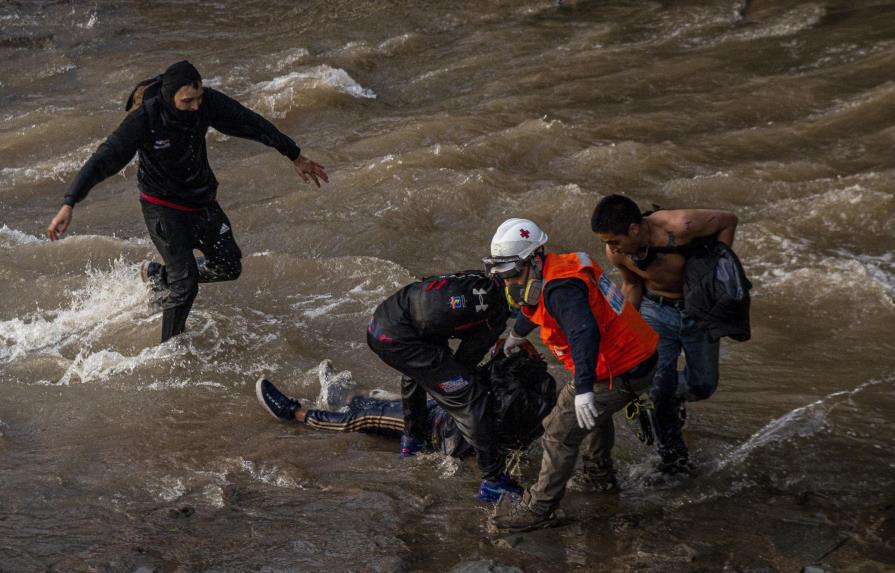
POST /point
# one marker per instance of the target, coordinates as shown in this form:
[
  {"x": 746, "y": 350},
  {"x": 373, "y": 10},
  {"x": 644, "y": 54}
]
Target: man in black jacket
[
  {"x": 644, "y": 247},
  {"x": 177, "y": 186},
  {"x": 410, "y": 331}
]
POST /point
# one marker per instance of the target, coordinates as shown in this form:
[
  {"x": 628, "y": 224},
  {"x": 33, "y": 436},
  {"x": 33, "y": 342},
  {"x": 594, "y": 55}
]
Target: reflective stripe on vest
[{"x": 626, "y": 339}]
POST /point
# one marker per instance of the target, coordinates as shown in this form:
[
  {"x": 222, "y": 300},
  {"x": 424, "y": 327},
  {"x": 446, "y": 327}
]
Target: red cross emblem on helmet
[{"x": 524, "y": 233}]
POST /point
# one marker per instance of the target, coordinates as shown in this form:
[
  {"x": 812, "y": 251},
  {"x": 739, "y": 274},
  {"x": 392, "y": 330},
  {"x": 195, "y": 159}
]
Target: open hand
[
  {"x": 60, "y": 223},
  {"x": 309, "y": 170}
]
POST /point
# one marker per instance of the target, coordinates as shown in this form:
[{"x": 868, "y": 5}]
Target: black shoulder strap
[{"x": 154, "y": 113}]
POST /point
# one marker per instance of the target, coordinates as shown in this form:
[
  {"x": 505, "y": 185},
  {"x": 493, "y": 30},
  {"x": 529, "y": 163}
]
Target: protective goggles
[{"x": 505, "y": 267}]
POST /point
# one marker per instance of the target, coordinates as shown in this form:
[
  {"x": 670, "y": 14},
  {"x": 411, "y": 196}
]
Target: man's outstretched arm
[
  {"x": 689, "y": 224},
  {"x": 112, "y": 156},
  {"x": 232, "y": 118}
]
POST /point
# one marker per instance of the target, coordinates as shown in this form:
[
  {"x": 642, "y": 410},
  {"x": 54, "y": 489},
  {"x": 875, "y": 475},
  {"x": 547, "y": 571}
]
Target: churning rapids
[{"x": 436, "y": 122}]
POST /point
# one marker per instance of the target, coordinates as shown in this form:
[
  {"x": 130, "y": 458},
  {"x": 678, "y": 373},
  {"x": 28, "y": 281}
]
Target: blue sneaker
[
  {"x": 410, "y": 446},
  {"x": 277, "y": 404},
  {"x": 490, "y": 491}
]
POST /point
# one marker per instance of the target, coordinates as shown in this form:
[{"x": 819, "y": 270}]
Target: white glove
[
  {"x": 513, "y": 343},
  {"x": 585, "y": 410}
]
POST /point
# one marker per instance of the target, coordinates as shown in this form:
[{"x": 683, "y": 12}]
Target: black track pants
[
  {"x": 175, "y": 234},
  {"x": 432, "y": 368}
]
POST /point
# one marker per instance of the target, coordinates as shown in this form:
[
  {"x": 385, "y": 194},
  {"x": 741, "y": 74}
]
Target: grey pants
[{"x": 563, "y": 437}]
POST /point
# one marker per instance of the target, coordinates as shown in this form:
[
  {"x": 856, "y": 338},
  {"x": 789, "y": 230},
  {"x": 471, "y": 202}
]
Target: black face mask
[{"x": 175, "y": 77}]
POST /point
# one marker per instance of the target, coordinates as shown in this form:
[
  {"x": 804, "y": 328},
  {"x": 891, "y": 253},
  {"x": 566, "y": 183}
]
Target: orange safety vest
[{"x": 626, "y": 339}]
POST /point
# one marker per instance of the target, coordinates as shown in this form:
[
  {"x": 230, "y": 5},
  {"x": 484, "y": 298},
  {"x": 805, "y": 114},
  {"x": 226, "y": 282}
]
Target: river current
[{"x": 436, "y": 121}]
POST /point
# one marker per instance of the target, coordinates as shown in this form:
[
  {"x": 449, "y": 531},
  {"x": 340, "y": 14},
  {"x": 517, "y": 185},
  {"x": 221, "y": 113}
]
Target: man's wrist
[{"x": 583, "y": 387}]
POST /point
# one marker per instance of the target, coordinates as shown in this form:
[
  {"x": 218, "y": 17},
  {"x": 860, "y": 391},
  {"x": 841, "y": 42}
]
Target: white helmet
[{"x": 515, "y": 240}]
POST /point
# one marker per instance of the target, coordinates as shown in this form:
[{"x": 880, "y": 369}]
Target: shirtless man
[{"x": 643, "y": 247}]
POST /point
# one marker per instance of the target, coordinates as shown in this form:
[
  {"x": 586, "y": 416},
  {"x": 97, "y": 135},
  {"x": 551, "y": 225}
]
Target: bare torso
[{"x": 664, "y": 275}]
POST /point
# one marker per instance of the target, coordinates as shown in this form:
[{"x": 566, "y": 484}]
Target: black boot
[{"x": 174, "y": 321}]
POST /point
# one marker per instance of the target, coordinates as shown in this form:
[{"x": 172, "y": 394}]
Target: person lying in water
[{"x": 522, "y": 392}]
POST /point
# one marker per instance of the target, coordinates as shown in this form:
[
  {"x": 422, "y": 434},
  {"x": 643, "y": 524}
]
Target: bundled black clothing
[
  {"x": 716, "y": 291},
  {"x": 173, "y": 157},
  {"x": 410, "y": 332}
]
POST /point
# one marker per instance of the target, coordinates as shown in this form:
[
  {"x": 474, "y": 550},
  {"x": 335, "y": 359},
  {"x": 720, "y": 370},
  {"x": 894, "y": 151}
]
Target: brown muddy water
[{"x": 437, "y": 121}]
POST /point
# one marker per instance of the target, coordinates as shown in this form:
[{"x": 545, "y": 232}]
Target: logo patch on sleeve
[
  {"x": 455, "y": 384},
  {"x": 457, "y": 302}
]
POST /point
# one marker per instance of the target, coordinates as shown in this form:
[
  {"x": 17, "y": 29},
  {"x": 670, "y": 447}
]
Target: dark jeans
[
  {"x": 431, "y": 368},
  {"x": 175, "y": 234},
  {"x": 698, "y": 380}
]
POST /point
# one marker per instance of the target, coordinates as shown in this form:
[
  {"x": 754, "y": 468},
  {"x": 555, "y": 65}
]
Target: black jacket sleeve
[
  {"x": 112, "y": 156},
  {"x": 523, "y": 326},
  {"x": 475, "y": 346},
  {"x": 567, "y": 301},
  {"x": 232, "y": 118}
]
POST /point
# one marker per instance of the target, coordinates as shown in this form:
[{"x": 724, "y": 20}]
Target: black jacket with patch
[{"x": 173, "y": 159}]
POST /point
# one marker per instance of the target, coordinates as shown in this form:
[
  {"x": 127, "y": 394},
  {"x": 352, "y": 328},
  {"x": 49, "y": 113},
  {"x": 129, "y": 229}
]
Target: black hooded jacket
[
  {"x": 173, "y": 158},
  {"x": 468, "y": 305}
]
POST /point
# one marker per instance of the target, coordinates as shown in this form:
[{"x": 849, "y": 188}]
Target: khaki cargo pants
[{"x": 563, "y": 437}]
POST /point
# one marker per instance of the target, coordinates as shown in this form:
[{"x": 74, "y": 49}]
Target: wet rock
[
  {"x": 544, "y": 544},
  {"x": 421, "y": 504},
  {"x": 807, "y": 541},
  {"x": 757, "y": 567},
  {"x": 483, "y": 567},
  {"x": 181, "y": 513}
]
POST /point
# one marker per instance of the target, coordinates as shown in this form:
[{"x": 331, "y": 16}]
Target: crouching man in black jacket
[
  {"x": 177, "y": 186},
  {"x": 410, "y": 332}
]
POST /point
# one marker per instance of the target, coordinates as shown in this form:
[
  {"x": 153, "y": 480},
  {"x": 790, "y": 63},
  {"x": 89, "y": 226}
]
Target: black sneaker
[
  {"x": 675, "y": 465},
  {"x": 280, "y": 406},
  {"x": 153, "y": 274}
]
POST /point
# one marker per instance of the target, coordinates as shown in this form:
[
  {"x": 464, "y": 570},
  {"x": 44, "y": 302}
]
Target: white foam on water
[
  {"x": 56, "y": 168},
  {"x": 269, "y": 474},
  {"x": 802, "y": 422},
  {"x": 792, "y": 22},
  {"x": 12, "y": 237},
  {"x": 880, "y": 268},
  {"x": 169, "y": 488},
  {"x": 101, "y": 365},
  {"x": 108, "y": 297},
  {"x": 288, "y": 58},
  {"x": 446, "y": 466},
  {"x": 91, "y": 21},
  {"x": 280, "y": 94}
]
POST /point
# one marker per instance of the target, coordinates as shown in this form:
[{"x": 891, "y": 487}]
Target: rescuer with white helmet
[{"x": 600, "y": 338}]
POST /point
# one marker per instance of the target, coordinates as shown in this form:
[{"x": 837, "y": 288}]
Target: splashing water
[
  {"x": 108, "y": 298},
  {"x": 801, "y": 422}
]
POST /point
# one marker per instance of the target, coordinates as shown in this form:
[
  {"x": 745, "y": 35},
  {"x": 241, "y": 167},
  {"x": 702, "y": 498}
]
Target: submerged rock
[{"x": 483, "y": 567}]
